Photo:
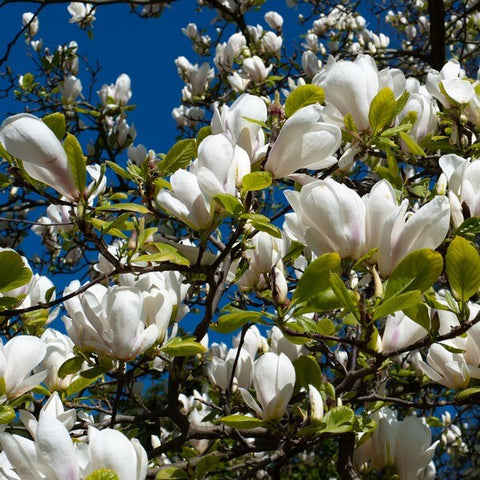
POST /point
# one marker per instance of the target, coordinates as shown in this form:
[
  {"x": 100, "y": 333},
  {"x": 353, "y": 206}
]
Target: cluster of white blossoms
[{"x": 344, "y": 273}]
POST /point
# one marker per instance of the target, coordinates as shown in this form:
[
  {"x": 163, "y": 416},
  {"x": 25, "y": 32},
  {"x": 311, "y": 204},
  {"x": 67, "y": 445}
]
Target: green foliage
[
  {"x": 303, "y": 96},
  {"x": 463, "y": 268},
  {"x": 382, "y": 109},
  {"x": 103, "y": 474},
  {"x": 230, "y": 322},
  {"x": 56, "y": 123},
  {"x": 256, "y": 181},
  {"x": 76, "y": 161},
  {"x": 314, "y": 292},
  {"x": 14, "y": 272},
  {"x": 179, "y": 156},
  {"x": 241, "y": 422},
  {"x": 183, "y": 347}
]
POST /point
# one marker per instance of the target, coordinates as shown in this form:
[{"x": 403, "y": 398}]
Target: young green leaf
[
  {"x": 303, "y": 96},
  {"x": 463, "y": 268},
  {"x": 241, "y": 421},
  {"x": 419, "y": 270},
  {"x": 179, "y": 156},
  {"x": 256, "y": 181},
  {"x": 14, "y": 272},
  {"x": 348, "y": 298},
  {"x": 397, "y": 303},
  {"x": 382, "y": 109},
  {"x": 56, "y": 123},
  {"x": 178, "y": 347},
  {"x": 233, "y": 321},
  {"x": 76, "y": 161}
]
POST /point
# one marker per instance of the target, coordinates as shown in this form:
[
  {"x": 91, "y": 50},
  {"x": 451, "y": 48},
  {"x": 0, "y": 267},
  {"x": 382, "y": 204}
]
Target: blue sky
[{"x": 145, "y": 49}]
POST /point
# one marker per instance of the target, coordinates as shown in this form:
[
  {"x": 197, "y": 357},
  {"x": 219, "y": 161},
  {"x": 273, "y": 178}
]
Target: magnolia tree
[{"x": 290, "y": 291}]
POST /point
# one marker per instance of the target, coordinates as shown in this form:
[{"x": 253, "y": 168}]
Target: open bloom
[
  {"x": 404, "y": 444},
  {"x": 329, "y": 217},
  {"x": 450, "y": 77},
  {"x": 28, "y": 138},
  {"x": 273, "y": 380},
  {"x": 305, "y": 141},
  {"x": 221, "y": 371},
  {"x": 350, "y": 87},
  {"x": 110, "y": 321},
  {"x": 395, "y": 232},
  {"x": 18, "y": 357},
  {"x": 463, "y": 178},
  {"x": 447, "y": 368},
  {"x": 240, "y": 122}
]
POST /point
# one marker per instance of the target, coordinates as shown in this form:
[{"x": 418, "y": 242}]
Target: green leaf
[
  {"x": 419, "y": 270},
  {"x": 241, "y": 422},
  {"x": 165, "y": 253},
  {"x": 127, "y": 207},
  {"x": 76, "y": 161},
  {"x": 307, "y": 371},
  {"x": 412, "y": 145},
  {"x": 256, "y": 181},
  {"x": 14, "y": 272},
  {"x": 349, "y": 123},
  {"x": 463, "y": 268},
  {"x": 316, "y": 277},
  {"x": 382, "y": 109},
  {"x": 419, "y": 314},
  {"x": 121, "y": 172},
  {"x": 179, "y": 156},
  {"x": 230, "y": 203},
  {"x": 203, "y": 133},
  {"x": 403, "y": 301},
  {"x": 348, "y": 298},
  {"x": 70, "y": 366},
  {"x": 56, "y": 123},
  {"x": 401, "y": 102},
  {"x": 303, "y": 96},
  {"x": 467, "y": 393},
  {"x": 469, "y": 228},
  {"x": 7, "y": 414},
  {"x": 339, "y": 420},
  {"x": 171, "y": 473},
  {"x": 178, "y": 347},
  {"x": 103, "y": 474},
  {"x": 206, "y": 464},
  {"x": 78, "y": 385},
  {"x": 233, "y": 321}
]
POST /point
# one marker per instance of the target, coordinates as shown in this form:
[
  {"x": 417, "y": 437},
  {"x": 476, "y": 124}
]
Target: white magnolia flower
[
  {"x": 82, "y": 13},
  {"x": 220, "y": 371},
  {"x": 315, "y": 221},
  {"x": 109, "y": 321},
  {"x": 32, "y": 19},
  {"x": 450, "y": 80},
  {"x": 241, "y": 122},
  {"x": 70, "y": 89},
  {"x": 405, "y": 444},
  {"x": 273, "y": 380},
  {"x": 305, "y": 141},
  {"x": 29, "y": 139},
  {"x": 255, "y": 68},
  {"x": 18, "y": 357}
]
